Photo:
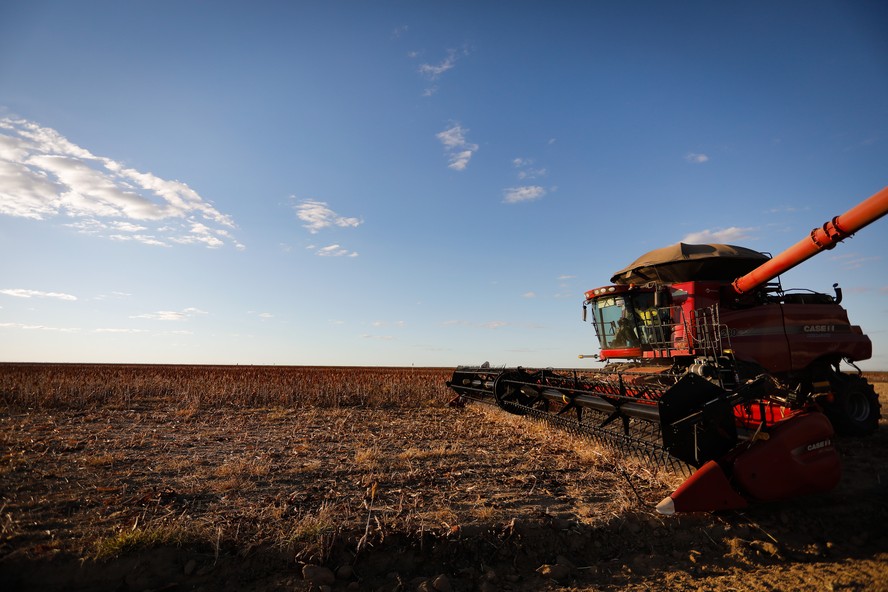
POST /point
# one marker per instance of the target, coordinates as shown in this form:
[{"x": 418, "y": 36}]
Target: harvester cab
[
  {"x": 645, "y": 322},
  {"x": 711, "y": 368}
]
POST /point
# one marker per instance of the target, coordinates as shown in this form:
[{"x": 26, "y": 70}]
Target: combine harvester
[{"x": 736, "y": 380}]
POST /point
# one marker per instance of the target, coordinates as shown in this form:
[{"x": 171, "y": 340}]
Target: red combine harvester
[{"x": 736, "y": 380}]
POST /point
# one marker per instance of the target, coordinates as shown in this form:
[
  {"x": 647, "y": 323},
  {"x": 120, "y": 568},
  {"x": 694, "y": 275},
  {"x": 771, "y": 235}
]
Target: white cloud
[
  {"x": 433, "y": 71},
  {"x": 21, "y": 293},
  {"x": 525, "y": 193},
  {"x": 529, "y": 295},
  {"x": 458, "y": 149},
  {"x": 317, "y": 216},
  {"x": 721, "y": 235},
  {"x": 145, "y": 239},
  {"x": 128, "y": 227},
  {"x": 695, "y": 158},
  {"x": 531, "y": 173},
  {"x": 453, "y": 138},
  {"x": 170, "y": 315},
  {"x": 43, "y": 175},
  {"x": 333, "y": 251},
  {"x": 460, "y": 160},
  {"x": 113, "y": 295}
]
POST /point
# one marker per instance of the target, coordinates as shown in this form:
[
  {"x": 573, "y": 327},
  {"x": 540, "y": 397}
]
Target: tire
[{"x": 855, "y": 408}]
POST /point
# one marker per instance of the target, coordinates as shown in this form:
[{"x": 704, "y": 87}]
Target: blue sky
[{"x": 428, "y": 183}]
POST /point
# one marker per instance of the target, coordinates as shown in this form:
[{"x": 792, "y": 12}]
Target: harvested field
[{"x": 258, "y": 478}]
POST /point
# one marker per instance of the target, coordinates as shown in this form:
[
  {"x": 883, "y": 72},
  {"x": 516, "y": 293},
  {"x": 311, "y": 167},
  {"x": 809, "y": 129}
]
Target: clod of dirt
[
  {"x": 442, "y": 584},
  {"x": 318, "y": 575},
  {"x": 190, "y": 566}
]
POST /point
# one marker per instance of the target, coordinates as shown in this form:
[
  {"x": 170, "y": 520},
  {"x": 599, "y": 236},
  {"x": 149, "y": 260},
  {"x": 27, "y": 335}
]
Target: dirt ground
[{"x": 396, "y": 499}]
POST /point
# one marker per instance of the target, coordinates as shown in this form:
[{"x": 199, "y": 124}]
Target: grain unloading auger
[{"x": 735, "y": 381}]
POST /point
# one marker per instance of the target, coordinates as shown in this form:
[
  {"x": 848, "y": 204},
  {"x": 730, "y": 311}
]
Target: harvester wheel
[
  {"x": 855, "y": 409},
  {"x": 516, "y": 398}
]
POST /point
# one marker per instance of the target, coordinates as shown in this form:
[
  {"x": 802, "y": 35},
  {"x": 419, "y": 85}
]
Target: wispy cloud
[
  {"x": 262, "y": 315},
  {"x": 527, "y": 170},
  {"x": 433, "y": 72},
  {"x": 332, "y": 251},
  {"x": 785, "y": 210},
  {"x": 720, "y": 235},
  {"x": 525, "y": 193},
  {"x": 28, "y": 327},
  {"x": 397, "y": 324},
  {"x": 854, "y": 260},
  {"x": 22, "y": 293},
  {"x": 695, "y": 158},
  {"x": 113, "y": 295},
  {"x": 317, "y": 215},
  {"x": 458, "y": 149},
  {"x": 43, "y": 175},
  {"x": 484, "y": 325},
  {"x": 170, "y": 315}
]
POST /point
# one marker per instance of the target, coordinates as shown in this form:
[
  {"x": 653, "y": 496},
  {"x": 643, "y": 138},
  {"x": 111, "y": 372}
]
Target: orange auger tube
[{"x": 826, "y": 237}]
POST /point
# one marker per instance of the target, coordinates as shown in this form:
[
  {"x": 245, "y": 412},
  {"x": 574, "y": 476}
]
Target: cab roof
[{"x": 684, "y": 262}]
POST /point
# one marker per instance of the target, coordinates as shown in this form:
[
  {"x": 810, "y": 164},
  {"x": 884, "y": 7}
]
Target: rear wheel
[{"x": 855, "y": 407}]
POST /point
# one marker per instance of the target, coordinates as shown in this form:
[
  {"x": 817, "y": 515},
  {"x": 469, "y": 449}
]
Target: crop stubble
[{"x": 246, "y": 471}]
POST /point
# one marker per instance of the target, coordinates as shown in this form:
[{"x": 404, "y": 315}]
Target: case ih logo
[
  {"x": 818, "y": 445},
  {"x": 820, "y": 328}
]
